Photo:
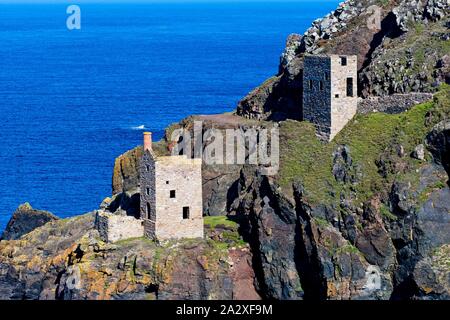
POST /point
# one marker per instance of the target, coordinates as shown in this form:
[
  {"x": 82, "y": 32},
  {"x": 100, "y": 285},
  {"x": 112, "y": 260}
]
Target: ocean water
[{"x": 72, "y": 101}]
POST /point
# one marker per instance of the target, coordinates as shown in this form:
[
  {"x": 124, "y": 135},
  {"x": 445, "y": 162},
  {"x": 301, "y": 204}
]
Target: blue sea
[{"x": 72, "y": 101}]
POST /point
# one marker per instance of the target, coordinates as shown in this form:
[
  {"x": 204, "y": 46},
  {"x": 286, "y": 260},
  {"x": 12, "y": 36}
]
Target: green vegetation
[
  {"x": 303, "y": 157},
  {"x": 214, "y": 221},
  {"x": 228, "y": 230},
  {"x": 383, "y": 3},
  {"x": 321, "y": 222},
  {"x": 307, "y": 160},
  {"x": 385, "y": 212}
]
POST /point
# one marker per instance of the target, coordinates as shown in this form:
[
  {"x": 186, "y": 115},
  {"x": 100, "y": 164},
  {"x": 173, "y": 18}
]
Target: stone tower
[
  {"x": 330, "y": 92},
  {"x": 171, "y": 195}
]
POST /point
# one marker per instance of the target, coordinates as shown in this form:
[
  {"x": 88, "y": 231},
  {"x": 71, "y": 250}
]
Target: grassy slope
[{"x": 305, "y": 159}]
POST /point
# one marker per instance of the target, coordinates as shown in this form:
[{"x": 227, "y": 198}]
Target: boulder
[{"x": 419, "y": 152}]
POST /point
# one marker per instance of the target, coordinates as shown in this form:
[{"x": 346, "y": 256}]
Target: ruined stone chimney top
[{"x": 147, "y": 141}]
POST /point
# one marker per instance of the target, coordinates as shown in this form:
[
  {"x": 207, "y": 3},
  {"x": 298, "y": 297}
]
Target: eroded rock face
[
  {"x": 299, "y": 254},
  {"x": 126, "y": 171},
  {"x": 392, "y": 104},
  {"x": 65, "y": 260},
  {"x": 271, "y": 230},
  {"x": 24, "y": 220}
]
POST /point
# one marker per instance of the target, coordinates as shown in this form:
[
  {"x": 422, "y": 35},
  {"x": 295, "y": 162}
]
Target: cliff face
[
  {"x": 126, "y": 171},
  {"x": 65, "y": 259},
  {"x": 363, "y": 217},
  {"x": 391, "y": 59}
]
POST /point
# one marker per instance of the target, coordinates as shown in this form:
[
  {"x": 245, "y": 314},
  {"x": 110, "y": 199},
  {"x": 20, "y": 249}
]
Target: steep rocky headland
[{"x": 366, "y": 216}]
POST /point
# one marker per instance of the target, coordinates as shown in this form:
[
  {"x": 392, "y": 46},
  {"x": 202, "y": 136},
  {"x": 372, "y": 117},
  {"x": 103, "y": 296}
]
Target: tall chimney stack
[{"x": 147, "y": 141}]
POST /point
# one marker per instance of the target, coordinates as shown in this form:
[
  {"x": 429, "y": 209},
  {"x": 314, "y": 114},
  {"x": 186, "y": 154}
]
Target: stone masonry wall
[
  {"x": 184, "y": 176},
  {"x": 343, "y": 108},
  {"x": 113, "y": 228},
  {"x": 392, "y": 104},
  {"x": 316, "y": 102}
]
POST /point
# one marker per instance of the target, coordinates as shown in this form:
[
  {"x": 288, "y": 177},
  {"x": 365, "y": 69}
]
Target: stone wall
[
  {"x": 113, "y": 227},
  {"x": 316, "y": 102},
  {"x": 393, "y": 104},
  {"x": 184, "y": 177},
  {"x": 343, "y": 107}
]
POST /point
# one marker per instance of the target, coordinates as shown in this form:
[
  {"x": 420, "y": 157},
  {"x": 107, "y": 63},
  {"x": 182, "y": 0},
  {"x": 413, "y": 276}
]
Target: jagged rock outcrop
[
  {"x": 24, "y": 220},
  {"x": 299, "y": 254},
  {"x": 126, "y": 171}
]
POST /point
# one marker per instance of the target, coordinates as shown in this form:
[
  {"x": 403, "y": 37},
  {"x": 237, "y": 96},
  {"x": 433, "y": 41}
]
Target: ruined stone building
[
  {"x": 329, "y": 92},
  {"x": 171, "y": 195},
  {"x": 171, "y": 205}
]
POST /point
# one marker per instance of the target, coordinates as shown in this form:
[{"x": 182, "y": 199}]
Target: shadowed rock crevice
[
  {"x": 126, "y": 202},
  {"x": 306, "y": 260}
]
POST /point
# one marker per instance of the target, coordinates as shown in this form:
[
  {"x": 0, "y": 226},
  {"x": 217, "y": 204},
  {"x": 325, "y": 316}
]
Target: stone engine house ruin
[
  {"x": 171, "y": 204},
  {"x": 171, "y": 195},
  {"x": 330, "y": 92}
]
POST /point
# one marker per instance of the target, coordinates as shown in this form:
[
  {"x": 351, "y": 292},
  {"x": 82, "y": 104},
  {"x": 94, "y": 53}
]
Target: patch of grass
[
  {"x": 233, "y": 239},
  {"x": 385, "y": 212},
  {"x": 321, "y": 222},
  {"x": 128, "y": 241},
  {"x": 227, "y": 238},
  {"x": 219, "y": 245},
  {"x": 419, "y": 27},
  {"x": 424, "y": 195},
  {"x": 305, "y": 159},
  {"x": 348, "y": 249}
]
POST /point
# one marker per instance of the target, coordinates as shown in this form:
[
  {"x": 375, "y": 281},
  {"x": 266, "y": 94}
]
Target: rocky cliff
[
  {"x": 65, "y": 259},
  {"x": 366, "y": 216}
]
